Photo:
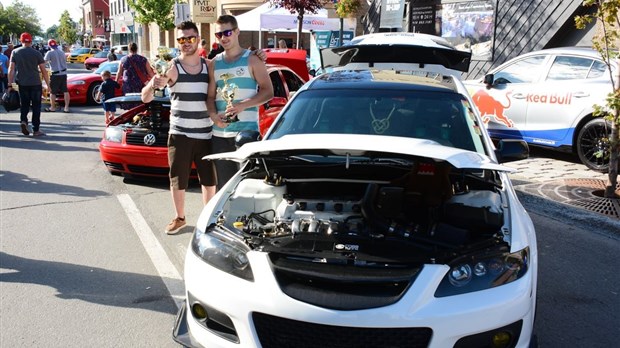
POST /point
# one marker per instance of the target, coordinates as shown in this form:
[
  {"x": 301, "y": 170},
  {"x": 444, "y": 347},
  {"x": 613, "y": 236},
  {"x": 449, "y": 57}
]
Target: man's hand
[
  {"x": 159, "y": 81},
  {"x": 261, "y": 54}
]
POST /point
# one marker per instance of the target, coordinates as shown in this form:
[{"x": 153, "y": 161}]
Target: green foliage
[
  {"x": 346, "y": 8},
  {"x": 18, "y": 18},
  {"x": 160, "y": 12},
  {"x": 67, "y": 32}
]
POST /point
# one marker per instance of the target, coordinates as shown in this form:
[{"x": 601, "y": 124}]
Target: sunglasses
[
  {"x": 226, "y": 33},
  {"x": 183, "y": 40}
]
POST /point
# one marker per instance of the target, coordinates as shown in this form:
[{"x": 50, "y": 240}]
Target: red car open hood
[{"x": 293, "y": 58}]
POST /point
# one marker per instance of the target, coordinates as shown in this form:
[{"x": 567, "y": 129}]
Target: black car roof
[{"x": 382, "y": 79}]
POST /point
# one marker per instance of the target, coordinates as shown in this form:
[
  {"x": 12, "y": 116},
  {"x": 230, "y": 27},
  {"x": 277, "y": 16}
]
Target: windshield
[
  {"x": 444, "y": 117},
  {"x": 101, "y": 55},
  {"x": 112, "y": 67},
  {"x": 83, "y": 51}
]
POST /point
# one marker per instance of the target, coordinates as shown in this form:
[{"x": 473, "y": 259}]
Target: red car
[
  {"x": 101, "y": 57},
  {"x": 84, "y": 87},
  {"x": 135, "y": 143}
]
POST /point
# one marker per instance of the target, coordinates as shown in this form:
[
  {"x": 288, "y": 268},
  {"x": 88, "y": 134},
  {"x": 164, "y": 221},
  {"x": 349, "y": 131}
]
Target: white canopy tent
[{"x": 266, "y": 17}]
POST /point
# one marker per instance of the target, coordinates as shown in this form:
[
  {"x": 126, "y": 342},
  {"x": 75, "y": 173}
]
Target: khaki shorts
[
  {"x": 58, "y": 84},
  {"x": 182, "y": 152}
]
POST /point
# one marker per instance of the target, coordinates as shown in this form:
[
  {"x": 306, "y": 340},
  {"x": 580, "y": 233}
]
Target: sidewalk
[{"x": 564, "y": 182}]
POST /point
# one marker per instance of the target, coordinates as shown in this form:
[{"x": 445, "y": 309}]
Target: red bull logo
[
  {"x": 490, "y": 106},
  {"x": 549, "y": 98}
]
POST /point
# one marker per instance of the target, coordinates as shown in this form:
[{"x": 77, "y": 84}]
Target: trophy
[
  {"x": 161, "y": 65},
  {"x": 228, "y": 94}
]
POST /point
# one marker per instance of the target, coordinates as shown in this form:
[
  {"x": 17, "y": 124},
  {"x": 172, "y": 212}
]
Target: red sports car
[
  {"x": 101, "y": 57},
  {"x": 135, "y": 143},
  {"x": 84, "y": 87}
]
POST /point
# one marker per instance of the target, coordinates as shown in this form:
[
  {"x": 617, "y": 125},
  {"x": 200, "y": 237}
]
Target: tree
[
  {"x": 607, "y": 43},
  {"x": 300, "y": 7},
  {"x": 18, "y": 18},
  {"x": 66, "y": 30},
  {"x": 52, "y": 32},
  {"x": 160, "y": 12}
]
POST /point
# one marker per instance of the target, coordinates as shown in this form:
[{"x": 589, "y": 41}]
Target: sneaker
[
  {"x": 175, "y": 225},
  {"x": 38, "y": 134},
  {"x": 25, "y": 129}
]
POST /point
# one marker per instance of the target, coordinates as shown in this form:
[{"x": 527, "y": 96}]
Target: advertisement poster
[
  {"x": 423, "y": 20},
  {"x": 204, "y": 11},
  {"x": 323, "y": 39},
  {"x": 470, "y": 25},
  {"x": 392, "y": 13}
]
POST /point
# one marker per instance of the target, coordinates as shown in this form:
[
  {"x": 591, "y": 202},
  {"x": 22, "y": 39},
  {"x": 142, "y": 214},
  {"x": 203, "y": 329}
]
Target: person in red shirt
[{"x": 202, "y": 51}]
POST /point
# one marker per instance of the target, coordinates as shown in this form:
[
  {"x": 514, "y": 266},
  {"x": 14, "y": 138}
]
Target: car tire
[
  {"x": 93, "y": 89},
  {"x": 593, "y": 144}
]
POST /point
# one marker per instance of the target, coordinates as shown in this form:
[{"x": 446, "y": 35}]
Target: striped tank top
[
  {"x": 246, "y": 88},
  {"x": 188, "y": 103}
]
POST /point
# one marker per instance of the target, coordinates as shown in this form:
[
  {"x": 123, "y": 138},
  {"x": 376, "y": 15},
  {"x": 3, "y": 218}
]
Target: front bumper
[{"x": 449, "y": 319}]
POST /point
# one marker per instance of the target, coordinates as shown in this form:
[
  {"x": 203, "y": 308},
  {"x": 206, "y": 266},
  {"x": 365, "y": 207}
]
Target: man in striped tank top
[
  {"x": 249, "y": 73},
  {"x": 189, "y": 137}
]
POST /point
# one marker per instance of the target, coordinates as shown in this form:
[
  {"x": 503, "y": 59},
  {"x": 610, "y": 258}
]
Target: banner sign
[
  {"x": 470, "y": 25},
  {"x": 204, "y": 11},
  {"x": 392, "y": 13}
]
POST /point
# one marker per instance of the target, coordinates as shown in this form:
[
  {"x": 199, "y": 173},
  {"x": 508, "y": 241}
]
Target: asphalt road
[{"x": 84, "y": 260}]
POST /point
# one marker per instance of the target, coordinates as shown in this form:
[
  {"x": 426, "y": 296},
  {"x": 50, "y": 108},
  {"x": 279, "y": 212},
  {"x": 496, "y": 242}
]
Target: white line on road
[{"x": 167, "y": 271}]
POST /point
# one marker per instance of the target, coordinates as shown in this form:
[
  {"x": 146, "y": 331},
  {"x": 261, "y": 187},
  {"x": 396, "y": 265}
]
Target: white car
[
  {"x": 547, "y": 98},
  {"x": 375, "y": 213}
]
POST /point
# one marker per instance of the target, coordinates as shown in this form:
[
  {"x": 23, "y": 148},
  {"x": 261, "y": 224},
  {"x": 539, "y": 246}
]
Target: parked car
[
  {"x": 373, "y": 214},
  {"x": 547, "y": 98},
  {"x": 135, "y": 143},
  {"x": 123, "y": 49},
  {"x": 94, "y": 61},
  {"x": 83, "y": 88},
  {"x": 81, "y": 54}
]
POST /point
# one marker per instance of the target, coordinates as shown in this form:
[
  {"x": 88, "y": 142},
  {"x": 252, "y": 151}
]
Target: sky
[{"x": 49, "y": 11}]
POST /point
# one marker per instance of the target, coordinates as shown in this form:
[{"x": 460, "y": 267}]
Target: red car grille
[{"x": 137, "y": 139}]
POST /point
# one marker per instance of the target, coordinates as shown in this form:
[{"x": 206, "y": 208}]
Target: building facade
[{"x": 95, "y": 23}]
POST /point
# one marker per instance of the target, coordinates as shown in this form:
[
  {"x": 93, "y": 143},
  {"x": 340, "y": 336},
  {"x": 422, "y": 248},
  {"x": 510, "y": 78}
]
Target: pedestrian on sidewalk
[
  {"x": 107, "y": 91},
  {"x": 58, "y": 63},
  {"x": 189, "y": 137},
  {"x": 26, "y": 60},
  {"x": 4, "y": 71}
]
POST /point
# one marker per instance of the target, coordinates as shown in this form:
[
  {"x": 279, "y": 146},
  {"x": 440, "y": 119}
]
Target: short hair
[
  {"x": 186, "y": 25},
  {"x": 223, "y": 19},
  {"x": 133, "y": 47},
  {"x": 106, "y": 73}
]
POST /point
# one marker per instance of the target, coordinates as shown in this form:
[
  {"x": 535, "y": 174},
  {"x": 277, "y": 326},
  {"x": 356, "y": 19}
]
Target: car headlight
[
  {"x": 113, "y": 134},
  {"x": 224, "y": 251},
  {"x": 77, "y": 82},
  {"x": 482, "y": 273}
]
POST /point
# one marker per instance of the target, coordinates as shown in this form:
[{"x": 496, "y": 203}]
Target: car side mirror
[
  {"x": 488, "y": 80},
  {"x": 246, "y": 136},
  {"x": 509, "y": 150}
]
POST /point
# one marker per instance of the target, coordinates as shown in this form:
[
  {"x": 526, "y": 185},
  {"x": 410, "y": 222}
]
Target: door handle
[
  {"x": 519, "y": 96},
  {"x": 581, "y": 94}
]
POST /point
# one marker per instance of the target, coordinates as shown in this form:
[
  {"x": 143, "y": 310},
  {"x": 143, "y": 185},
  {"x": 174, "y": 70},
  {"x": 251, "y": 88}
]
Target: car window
[
  {"x": 276, "y": 81},
  {"x": 441, "y": 117},
  {"x": 569, "y": 68},
  {"x": 523, "y": 71},
  {"x": 101, "y": 55},
  {"x": 83, "y": 51},
  {"x": 293, "y": 82},
  {"x": 598, "y": 69},
  {"x": 110, "y": 66}
]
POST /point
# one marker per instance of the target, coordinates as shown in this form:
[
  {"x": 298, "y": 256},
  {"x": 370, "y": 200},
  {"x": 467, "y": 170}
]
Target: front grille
[
  {"x": 148, "y": 170},
  {"x": 276, "y": 332},
  {"x": 137, "y": 138},
  {"x": 114, "y": 166}
]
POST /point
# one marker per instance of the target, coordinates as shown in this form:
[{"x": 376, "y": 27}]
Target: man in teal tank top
[{"x": 246, "y": 75}]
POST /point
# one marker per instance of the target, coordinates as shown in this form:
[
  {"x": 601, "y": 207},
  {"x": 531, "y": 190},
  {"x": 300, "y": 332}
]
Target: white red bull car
[{"x": 547, "y": 98}]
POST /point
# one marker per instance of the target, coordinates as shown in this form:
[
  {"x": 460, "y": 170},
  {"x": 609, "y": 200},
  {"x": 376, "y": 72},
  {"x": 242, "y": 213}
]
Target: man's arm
[
  {"x": 211, "y": 94},
  {"x": 158, "y": 82},
  {"x": 11, "y": 74},
  {"x": 46, "y": 77},
  {"x": 258, "y": 69},
  {"x": 119, "y": 73}
]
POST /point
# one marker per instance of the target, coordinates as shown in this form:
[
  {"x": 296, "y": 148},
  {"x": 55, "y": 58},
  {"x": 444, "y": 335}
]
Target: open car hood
[
  {"x": 358, "y": 145},
  {"x": 388, "y": 50},
  {"x": 136, "y": 98},
  {"x": 293, "y": 58}
]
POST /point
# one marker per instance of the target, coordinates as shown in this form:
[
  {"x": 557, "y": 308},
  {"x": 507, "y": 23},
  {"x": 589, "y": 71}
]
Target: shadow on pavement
[{"x": 17, "y": 182}]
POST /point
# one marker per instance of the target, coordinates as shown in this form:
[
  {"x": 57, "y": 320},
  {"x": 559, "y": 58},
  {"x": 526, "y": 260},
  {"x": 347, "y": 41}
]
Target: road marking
[{"x": 167, "y": 271}]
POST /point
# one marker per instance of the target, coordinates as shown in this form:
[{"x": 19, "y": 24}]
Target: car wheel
[
  {"x": 92, "y": 93},
  {"x": 593, "y": 144}
]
